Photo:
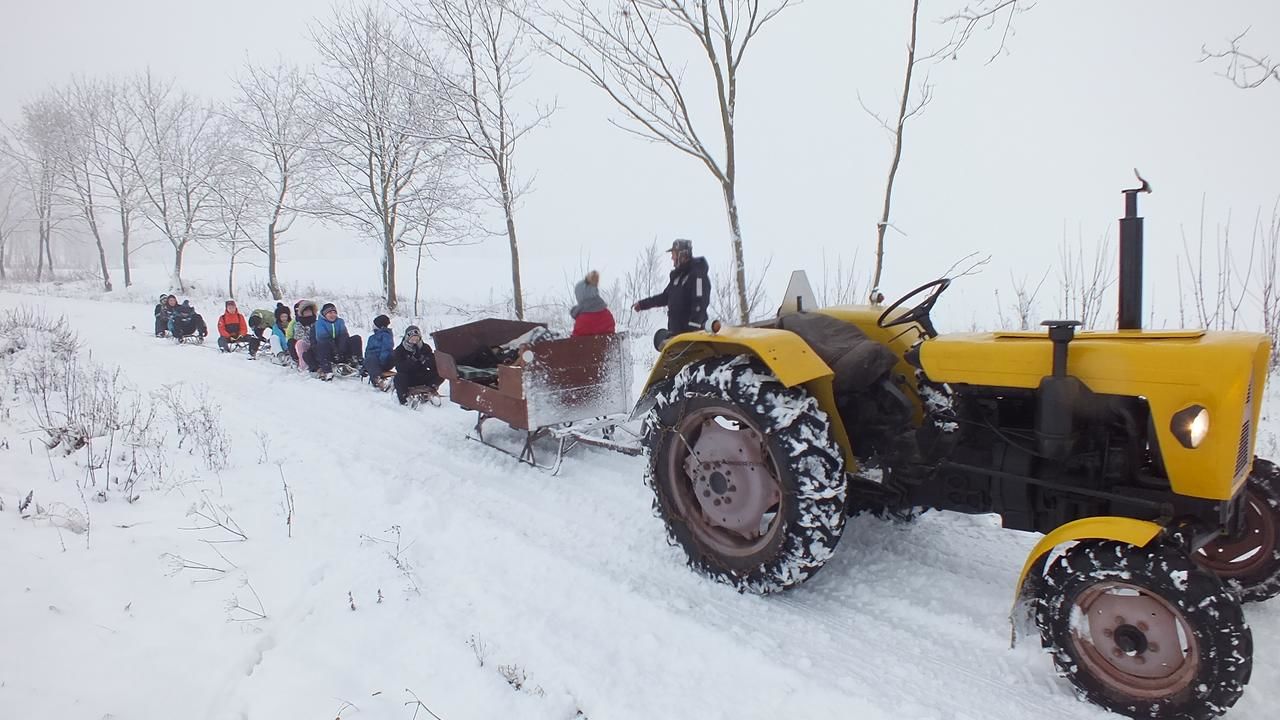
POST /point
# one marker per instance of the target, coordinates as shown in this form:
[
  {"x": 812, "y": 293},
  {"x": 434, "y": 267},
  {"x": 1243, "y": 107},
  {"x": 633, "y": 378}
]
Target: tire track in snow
[{"x": 842, "y": 632}]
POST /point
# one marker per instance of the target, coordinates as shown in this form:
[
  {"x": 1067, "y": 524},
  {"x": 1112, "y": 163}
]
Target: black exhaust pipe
[{"x": 1130, "y": 316}]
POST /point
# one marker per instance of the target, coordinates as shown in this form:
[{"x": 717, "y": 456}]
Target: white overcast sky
[{"x": 1006, "y": 154}]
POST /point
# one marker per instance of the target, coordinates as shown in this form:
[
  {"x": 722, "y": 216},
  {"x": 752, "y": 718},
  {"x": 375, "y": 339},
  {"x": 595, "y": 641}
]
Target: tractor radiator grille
[
  {"x": 1242, "y": 455},
  {"x": 1246, "y": 427}
]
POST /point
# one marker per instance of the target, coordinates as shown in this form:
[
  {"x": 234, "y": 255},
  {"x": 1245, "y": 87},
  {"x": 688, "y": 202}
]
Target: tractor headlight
[{"x": 1190, "y": 425}]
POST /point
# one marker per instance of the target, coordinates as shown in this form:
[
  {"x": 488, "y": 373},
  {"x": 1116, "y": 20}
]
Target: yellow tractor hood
[{"x": 1173, "y": 370}]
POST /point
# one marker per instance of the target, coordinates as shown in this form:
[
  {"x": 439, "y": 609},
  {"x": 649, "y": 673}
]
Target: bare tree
[
  {"x": 35, "y": 152},
  {"x": 1268, "y": 239},
  {"x": 444, "y": 216},
  {"x": 177, "y": 164},
  {"x": 277, "y": 130},
  {"x": 117, "y": 142},
  {"x": 1243, "y": 68},
  {"x": 647, "y": 277},
  {"x": 237, "y": 192},
  {"x": 380, "y": 130},
  {"x": 11, "y": 210},
  {"x": 485, "y": 61},
  {"x": 1024, "y": 302},
  {"x": 78, "y": 130},
  {"x": 989, "y": 14},
  {"x": 1084, "y": 278},
  {"x": 631, "y": 53},
  {"x": 840, "y": 285},
  {"x": 1218, "y": 291},
  {"x": 724, "y": 301}
]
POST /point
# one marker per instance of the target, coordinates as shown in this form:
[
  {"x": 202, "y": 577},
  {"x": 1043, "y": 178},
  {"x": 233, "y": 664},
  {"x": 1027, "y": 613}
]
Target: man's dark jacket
[{"x": 685, "y": 298}]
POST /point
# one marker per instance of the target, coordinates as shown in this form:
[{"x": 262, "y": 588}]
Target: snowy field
[{"x": 349, "y": 558}]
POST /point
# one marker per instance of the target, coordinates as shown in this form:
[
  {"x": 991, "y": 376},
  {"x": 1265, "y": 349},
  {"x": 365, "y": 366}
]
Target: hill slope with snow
[{"x": 354, "y": 557}]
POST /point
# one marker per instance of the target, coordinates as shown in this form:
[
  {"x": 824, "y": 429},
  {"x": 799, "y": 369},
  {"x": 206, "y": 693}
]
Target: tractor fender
[
  {"x": 1103, "y": 527},
  {"x": 786, "y": 355}
]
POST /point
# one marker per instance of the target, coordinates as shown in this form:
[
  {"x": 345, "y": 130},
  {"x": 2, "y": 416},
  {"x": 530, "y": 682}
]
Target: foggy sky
[{"x": 1005, "y": 156}]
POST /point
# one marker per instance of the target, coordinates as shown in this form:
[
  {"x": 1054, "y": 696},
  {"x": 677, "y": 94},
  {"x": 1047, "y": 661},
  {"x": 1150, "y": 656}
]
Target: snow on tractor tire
[
  {"x": 1250, "y": 562},
  {"x": 745, "y": 474},
  {"x": 1144, "y": 631}
]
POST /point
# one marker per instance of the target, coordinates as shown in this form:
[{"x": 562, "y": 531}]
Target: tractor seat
[{"x": 857, "y": 361}]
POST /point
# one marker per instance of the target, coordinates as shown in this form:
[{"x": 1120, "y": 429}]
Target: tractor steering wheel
[{"x": 920, "y": 312}]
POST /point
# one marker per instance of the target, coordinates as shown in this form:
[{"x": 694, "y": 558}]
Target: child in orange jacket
[{"x": 233, "y": 329}]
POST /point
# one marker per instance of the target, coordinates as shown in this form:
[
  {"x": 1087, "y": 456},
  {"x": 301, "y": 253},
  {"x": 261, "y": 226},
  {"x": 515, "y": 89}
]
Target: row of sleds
[
  {"x": 535, "y": 396},
  {"x": 415, "y": 396}
]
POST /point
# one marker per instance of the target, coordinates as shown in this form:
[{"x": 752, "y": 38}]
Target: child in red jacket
[{"x": 233, "y": 329}]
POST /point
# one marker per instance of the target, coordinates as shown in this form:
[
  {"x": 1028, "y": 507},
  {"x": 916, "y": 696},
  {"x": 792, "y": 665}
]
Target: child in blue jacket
[
  {"x": 377, "y": 352},
  {"x": 332, "y": 343}
]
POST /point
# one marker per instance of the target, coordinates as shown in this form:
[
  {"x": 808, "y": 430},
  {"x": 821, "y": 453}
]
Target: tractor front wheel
[
  {"x": 1249, "y": 562},
  {"x": 1144, "y": 632},
  {"x": 746, "y": 474}
]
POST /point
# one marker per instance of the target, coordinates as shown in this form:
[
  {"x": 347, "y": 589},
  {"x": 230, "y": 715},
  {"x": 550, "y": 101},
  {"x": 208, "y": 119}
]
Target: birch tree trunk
[
  {"x": 739, "y": 265},
  {"x": 517, "y": 289},
  {"x": 899, "y": 129},
  {"x": 124, "y": 244}
]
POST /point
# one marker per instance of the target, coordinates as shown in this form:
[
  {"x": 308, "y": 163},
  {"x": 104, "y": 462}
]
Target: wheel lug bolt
[
  {"x": 1152, "y": 647},
  {"x": 1119, "y": 620},
  {"x": 1143, "y": 627},
  {"x": 1117, "y": 652},
  {"x": 1107, "y": 633}
]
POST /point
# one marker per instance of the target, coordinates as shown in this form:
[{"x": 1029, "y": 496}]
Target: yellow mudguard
[
  {"x": 1120, "y": 529},
  {"x": 786, "y": 355}
]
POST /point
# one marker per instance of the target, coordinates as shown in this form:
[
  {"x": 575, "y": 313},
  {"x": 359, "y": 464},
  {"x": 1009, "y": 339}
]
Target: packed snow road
[{"x": 423, "y": 566}]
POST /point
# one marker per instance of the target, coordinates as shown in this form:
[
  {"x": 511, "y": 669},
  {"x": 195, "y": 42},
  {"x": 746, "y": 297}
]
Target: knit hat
[
  {"x": 382, "y": 321},
  {"x": 281, "y": 310},
  {"x": 164, "y": 296},
  {"x": 327, "y": 307},
  {"x": 229, "y": 303},
  {"x": 411, "y": 330}
]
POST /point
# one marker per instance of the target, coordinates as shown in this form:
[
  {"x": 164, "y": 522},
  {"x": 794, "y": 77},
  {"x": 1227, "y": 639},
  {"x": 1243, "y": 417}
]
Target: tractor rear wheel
[
  {"x": 746, "y": 474},
  {"x": 1249, "y": 563},
  {"x": 1144, "y": 632}
]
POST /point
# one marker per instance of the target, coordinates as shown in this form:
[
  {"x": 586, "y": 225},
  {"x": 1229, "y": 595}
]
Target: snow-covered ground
[{"x": 417, "y": 565}]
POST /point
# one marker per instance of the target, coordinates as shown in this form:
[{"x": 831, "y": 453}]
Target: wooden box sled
[{"x": 571, "y": 391}]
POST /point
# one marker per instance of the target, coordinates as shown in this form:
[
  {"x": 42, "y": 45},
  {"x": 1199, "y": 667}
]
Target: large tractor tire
[
  {"x": 1144, "y": 632},
  {"x": 1249, "y": 563},
  {"x": 746, "y": 474}
]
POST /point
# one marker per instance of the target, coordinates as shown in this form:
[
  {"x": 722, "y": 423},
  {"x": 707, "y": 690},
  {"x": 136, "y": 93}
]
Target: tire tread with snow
[
  {"x": 1256, "y": 577},
  {"x": 801, "y": 446},
  {"x": 1224, "y": 656}
]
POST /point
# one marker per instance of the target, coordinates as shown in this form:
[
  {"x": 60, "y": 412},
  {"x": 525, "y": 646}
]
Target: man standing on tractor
[{"x": 687, "y": 292}]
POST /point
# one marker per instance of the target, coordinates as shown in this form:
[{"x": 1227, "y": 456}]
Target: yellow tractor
[{"x": 1130, "y": 450}]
